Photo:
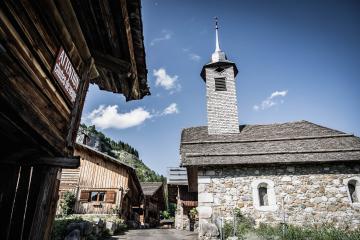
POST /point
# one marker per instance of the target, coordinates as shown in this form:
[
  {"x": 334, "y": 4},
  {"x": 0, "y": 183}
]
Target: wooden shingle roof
[
  {"x": 293, "y": 142},
  {"x": 150, "y": 188}
]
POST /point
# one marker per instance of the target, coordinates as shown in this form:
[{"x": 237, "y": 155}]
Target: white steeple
[{"x": 218, "y": 55}]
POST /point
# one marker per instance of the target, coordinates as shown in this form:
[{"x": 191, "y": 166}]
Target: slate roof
[
  {"x": 292, "y": 142},
  {"x": 150, "y": 188}
]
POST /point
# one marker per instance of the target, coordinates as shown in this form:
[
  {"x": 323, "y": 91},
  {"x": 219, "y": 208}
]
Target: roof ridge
[
  {"x": 274, "y": 152},
  {"x": 260, "y": 124},
  {"x": 115, "y": 160},
  {"x": 270, "y": 139}
]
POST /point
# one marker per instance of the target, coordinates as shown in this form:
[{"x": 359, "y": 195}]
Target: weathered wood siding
[{"x": 95, "y": 173}]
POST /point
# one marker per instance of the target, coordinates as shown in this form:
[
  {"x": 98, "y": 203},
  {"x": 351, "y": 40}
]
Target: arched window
[
  {"x": 352, "y": 191},
  {"x": 264, "y": 198},
  {"x": 353, "y": 188},
  {"x": 263, "y": 195}
]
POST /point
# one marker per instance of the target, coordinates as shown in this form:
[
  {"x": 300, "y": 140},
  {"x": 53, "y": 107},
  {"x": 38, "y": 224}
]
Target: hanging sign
[{"x": 64, "y": 72}]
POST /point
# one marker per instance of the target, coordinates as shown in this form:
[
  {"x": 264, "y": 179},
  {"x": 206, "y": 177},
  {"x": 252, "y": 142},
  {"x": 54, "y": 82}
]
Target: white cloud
[
  {"x": 171, "y": 109},
  {"x": 192, "y": 56},
  {"x": 109, "y": 117},
  {"x": 166, "y": 35},
  {"x": 166, "y": 81},
  {"x": 277, "y": 94},
  {"x": 271, "y": 101}
]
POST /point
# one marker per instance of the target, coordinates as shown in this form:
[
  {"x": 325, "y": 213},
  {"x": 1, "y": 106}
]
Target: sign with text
[{"x": 65, "y": 74}]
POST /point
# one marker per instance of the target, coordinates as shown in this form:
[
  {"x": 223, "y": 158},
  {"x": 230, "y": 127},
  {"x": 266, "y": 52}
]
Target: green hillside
[{"x": 120, "y": 150}]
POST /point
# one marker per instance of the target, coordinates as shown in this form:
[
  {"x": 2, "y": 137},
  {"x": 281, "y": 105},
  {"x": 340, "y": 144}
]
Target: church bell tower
[{"x": 219, "y": 76}]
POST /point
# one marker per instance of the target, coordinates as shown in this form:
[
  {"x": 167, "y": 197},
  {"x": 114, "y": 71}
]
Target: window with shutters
[
  {"x": 85, "y": 196},
  {"x": 220, "y": 84},
  {"x": 110, "y": 197},
  {"x": 97, "y": 196}
]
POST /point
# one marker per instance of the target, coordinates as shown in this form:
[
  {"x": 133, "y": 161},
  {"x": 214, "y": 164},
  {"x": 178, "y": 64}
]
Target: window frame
[
  {"x": 357, "y": 190},
  {"x": 97, "y": 197},
  {"x": 271, "y": 197}
]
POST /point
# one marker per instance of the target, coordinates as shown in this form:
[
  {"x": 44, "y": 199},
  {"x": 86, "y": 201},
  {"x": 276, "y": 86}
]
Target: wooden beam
[
  {"x": 192, "y": 173},
  {"x": 135, "y": 86},
  {"x": 73, "y": 26},
  {"x": 15, "y": 156},
  {"x": 63, "y": 162},
  {"x": 79, "y": 104},
  {"x": 112, "y": 63}
]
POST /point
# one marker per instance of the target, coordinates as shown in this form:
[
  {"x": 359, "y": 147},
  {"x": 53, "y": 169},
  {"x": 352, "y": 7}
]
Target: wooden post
[
  {"x": 20, "y": 204},
  {"x": 8, "y": 182},
  {"x": 42, "y": 216},
  {"x": 79, "y": 103},
  {"x": 35, "y": 186}
]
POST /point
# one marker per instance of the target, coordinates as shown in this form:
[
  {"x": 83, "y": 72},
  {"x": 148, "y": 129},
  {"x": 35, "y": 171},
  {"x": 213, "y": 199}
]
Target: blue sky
[{"x": 297, "y": 60}]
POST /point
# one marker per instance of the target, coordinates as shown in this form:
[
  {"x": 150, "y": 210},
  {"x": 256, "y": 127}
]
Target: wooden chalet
[
  {"x": 50, "y": 50},
  {"x": 154, "y": 202},
  {"x": 102, "y": 184},
  {"x": 178, "y": 193}
]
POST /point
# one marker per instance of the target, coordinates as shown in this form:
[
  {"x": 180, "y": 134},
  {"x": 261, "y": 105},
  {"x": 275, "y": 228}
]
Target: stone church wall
[{"x": 303, "y": 194}]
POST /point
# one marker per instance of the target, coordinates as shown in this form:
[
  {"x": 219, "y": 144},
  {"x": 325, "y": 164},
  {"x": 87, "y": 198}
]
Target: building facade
[
  {"x": 50, "y": 51},
  {"x": 297, "y": 173},
  {"x": 178, "y": 193},
  {"x": 154, "y": 202},
  {"x": 102, "y": 185}
]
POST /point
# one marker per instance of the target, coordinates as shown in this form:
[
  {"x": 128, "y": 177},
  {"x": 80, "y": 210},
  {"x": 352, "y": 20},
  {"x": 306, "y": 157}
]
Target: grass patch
[
  {"x": 290, "y": 232},
  {"x": 246, "y": 225}
]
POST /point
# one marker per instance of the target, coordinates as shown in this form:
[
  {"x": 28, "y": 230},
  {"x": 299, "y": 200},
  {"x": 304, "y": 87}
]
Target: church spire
[
  {"x": 217, "y": 47},
  {"x": 218, "y": 55}
]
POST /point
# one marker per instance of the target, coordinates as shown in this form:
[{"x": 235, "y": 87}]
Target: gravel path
[{"x": 157, "y": 234}]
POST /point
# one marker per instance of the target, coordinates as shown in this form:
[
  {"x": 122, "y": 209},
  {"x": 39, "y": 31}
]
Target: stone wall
[
  {"x": 302, "y": 194},
  {"x": 221, "y": 105}
]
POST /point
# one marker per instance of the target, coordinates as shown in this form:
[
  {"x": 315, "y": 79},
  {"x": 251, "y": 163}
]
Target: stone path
[{"x": 157, "y": 234}]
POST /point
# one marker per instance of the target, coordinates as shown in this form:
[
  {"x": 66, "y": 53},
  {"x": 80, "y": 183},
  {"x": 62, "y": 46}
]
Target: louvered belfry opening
[{"x": 220, "y": 84}]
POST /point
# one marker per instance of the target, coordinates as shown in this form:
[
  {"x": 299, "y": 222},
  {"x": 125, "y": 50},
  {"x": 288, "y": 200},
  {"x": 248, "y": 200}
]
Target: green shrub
[
  {"x": 59, "y": 228},
  {"x": 165, "y": 214},
  {"x": 193, "y": 213},
  {"x": 243, "y": 225},
  {"x": 67, "y": 204}
]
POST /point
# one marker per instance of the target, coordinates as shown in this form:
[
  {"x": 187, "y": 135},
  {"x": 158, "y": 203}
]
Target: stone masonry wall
[
  {"x": 221, "y": 105},
  {"x": 305, "y": 194}
]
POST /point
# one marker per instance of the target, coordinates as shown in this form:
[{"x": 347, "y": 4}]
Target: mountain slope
[{"x": 120, "y": 150}]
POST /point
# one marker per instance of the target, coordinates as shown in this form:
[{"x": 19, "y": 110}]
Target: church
[{"x": 297, "y": 173}]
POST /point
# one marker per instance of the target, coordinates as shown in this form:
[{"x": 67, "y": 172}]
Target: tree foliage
[{"x": 67, "y": 204}]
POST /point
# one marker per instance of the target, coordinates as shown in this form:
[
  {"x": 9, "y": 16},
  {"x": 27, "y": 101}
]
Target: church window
[
  {"x": 264, "y": 198},
  {"x": 353, "y": 187},
  {"x": 220, "y": 84}
]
